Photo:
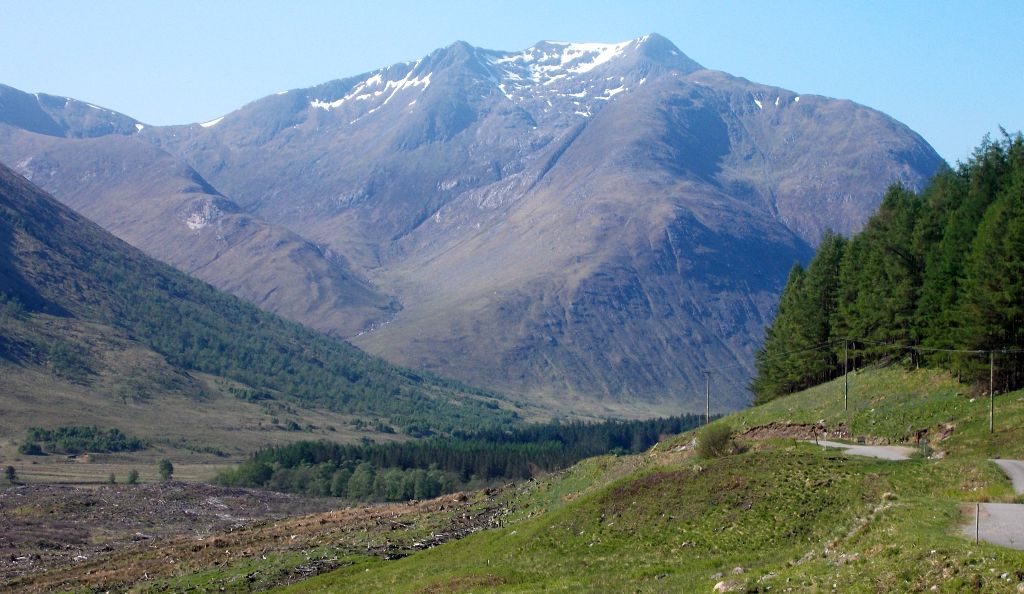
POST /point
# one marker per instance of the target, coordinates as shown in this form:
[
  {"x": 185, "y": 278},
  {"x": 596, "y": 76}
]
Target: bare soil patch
[
  {"x": 800, "y": 431},
  {"x": 119, "y": 537},
  {"x": 45, "y": 527}
]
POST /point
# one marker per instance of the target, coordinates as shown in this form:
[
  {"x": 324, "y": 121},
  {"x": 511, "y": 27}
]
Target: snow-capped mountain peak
[
  {"x": 577, "y": 78},
  {"x": 549, "y": 77},
  {"x": 549, "y": 61}
]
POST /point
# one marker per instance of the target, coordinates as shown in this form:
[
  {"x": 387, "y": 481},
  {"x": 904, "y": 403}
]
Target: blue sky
[{"x": 952, "y": 71}]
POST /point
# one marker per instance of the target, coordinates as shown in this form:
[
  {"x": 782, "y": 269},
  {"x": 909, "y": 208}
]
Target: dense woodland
[
  {"x": 935, "y": 278},
  {"x": 77, "y": 439},
  {"x": 427, "y": 468}
]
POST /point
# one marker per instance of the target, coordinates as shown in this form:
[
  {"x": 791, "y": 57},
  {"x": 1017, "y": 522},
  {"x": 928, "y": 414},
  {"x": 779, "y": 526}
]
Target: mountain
[
  {"x": 586, "y": 225},
  {"x": 92, "y": 330},
  {"x": 93, "y": 160}
]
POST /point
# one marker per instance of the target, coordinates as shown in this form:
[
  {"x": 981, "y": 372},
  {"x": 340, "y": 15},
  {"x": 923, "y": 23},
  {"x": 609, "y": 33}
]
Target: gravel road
[
  {"x": 1015, "y": 470},
  {"x": 888, "y": 452},
  {"x": 1000, "y": 523}
]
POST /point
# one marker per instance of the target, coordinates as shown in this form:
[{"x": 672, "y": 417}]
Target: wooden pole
[
  {"x": 977, "y": 522},
  {"x": 707, "y": 397},
  {"x": 991, "y": 391},
  {"x": 846, "y": 375}
]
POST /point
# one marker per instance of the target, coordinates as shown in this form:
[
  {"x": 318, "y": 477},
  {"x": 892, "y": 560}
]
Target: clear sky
[{"x": 952, "y": 71}]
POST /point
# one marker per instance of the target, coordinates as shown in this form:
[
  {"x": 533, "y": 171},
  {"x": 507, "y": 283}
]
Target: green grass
[
  {"x": 789, "y": 515},
  {"x": 894, "y": 404},
  {"x": 888, "y": 403},
  {"x": 662, "y": 528},
  {"x": 793, "y": 516}
]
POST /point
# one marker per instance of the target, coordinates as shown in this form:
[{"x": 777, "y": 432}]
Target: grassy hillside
[
  {"x": 892, "y": 404},
  {"x": 93, "y": 332},
  {"x": 83, "y": 313},
  {"x": 779, "y": 516},
  {"x": 783, "y": 515}
]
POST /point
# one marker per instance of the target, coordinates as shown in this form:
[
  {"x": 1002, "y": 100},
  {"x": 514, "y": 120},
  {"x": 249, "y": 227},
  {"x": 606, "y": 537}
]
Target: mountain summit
[{"x": 588, "y": 225}]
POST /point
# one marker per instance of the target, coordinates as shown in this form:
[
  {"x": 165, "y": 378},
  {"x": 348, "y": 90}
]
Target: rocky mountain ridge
[{"x": 586, "y": 225}]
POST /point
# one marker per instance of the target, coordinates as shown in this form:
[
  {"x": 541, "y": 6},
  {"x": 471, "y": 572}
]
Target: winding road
[
  {"x": 997, "y": 523},
  {"x": 1015, "y": 470},
  {"x": 1000, "y": 523}
]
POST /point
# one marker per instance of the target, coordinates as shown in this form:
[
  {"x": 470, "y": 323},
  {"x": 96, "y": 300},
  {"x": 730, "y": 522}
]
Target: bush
[
  {"x": 31, "y": 448},
  {"x": 166, "y": 469},
  {"x": 133, "y": 477},
  {"x": 714, "y": 441}
]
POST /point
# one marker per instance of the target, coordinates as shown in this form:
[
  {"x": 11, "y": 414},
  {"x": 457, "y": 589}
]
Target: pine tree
[
  {"x": 820, "y": 308},
  {"x": 881, "y": 276},
  {"x": 777, "y": 367},
  {"x": 993, "y": 308}
]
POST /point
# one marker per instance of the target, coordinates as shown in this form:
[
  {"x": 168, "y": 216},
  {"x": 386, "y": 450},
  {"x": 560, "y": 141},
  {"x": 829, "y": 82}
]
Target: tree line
[
  {"x": 428, "y": 467},
  {"x": 77, "y": 439},
  {"x": 936, "y": 277}
]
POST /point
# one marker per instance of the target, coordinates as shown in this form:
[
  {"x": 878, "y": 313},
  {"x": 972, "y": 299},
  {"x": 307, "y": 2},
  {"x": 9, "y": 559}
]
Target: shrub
[
  {"x": 133, "y": 477},
  {"x": 714, "y": 441},
  {"x": 31, "y": 448},
  {"x": 166, "y": 469}
]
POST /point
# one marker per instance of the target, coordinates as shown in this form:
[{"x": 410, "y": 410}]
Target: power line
[
  {"x": 828, "y": 344},
  {"x": 936, "y": 349},
  {"x": 915, "y": 348},
  {"x": 817, "y": 347}
]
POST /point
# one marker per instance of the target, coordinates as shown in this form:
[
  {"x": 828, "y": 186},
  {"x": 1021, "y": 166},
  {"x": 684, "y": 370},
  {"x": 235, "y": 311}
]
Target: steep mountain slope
[
  {"x": 82, "y": 309},
  {"x": 586, "y": 224},
  {"x": 89, "y": 158}
]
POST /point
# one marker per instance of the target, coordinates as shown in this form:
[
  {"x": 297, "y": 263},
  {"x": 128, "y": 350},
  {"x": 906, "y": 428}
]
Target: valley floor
[{"x": 780, "y": 515}]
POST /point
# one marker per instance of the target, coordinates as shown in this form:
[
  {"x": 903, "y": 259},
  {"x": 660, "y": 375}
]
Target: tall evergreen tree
[
  {"x": 820, "y": 306},
  {"x": 992, "y": 308},
  {"x": 796, "y": 351},
  {"x": 943, "y": 269},
  {"x": 881, "y": 276},
  {"x": 966, "y": 195},
  {"x": 776, "y": 368}
]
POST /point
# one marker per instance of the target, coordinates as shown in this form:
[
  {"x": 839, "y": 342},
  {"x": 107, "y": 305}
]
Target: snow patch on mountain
[
  {"x": 551, "y": 61},
  {"x": 200, "y": 214},
  {"x": 561, "y": 77},
  {"x": 212, "y": 123},
  {"x": 375, "y": 87}
]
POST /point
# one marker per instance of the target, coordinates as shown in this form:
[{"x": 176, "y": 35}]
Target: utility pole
[
  {"x": 846, "y": 375},
  {"x": 707, "y": 396},
  {"x": 991, "y": 391}
]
